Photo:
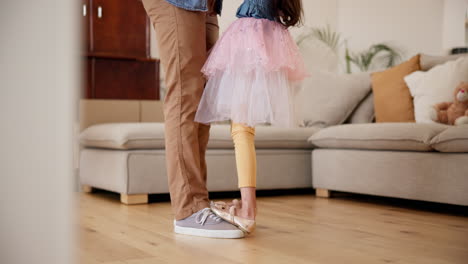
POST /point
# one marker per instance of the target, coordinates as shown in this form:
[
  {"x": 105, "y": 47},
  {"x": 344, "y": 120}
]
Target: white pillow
[
  {"x": 435, "y": 86},
  {"x": 328, "y": 99}
]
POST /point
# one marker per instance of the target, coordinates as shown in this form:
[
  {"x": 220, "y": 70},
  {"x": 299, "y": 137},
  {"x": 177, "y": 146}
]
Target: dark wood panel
[
  {"x": 120, "y": 28},
  {"x": 117, "y": 56},
  {"x": 87, "y": 78},
  {"x": 125, "y": 79}
]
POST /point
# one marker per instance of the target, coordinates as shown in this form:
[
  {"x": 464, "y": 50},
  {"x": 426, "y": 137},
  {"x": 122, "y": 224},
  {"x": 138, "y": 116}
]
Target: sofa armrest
[
  {"x": 151, "y": 111},
  {"x": 98, "y": 111}
]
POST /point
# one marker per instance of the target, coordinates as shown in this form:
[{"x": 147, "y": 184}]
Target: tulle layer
[
  {"x": 252, "y": 98},
  {"x": 250, "y": 43}
]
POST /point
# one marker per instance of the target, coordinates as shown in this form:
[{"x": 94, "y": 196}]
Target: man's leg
[
  {"x": 182, "y": 45},
  {"x": 212, "y": 34}
]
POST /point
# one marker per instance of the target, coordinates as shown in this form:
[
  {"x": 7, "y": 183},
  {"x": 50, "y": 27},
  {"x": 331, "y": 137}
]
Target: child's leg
[
  {"x": 246, "y": 162},
  {"x": 249, "y": 203}
]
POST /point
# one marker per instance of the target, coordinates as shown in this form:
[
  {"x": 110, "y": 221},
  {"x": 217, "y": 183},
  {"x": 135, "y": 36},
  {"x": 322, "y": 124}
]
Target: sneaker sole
[{"x": 208, "y": 233}]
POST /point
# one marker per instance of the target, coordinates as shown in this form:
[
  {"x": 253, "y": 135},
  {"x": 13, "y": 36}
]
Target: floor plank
[{"x": 290, "y": 229}]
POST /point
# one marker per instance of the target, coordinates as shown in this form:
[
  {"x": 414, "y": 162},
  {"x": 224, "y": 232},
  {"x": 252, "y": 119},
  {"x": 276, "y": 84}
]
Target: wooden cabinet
[
  {"x": 117, "y": 85},
  {"x": 120, "y": 28},
  {"x": 85, "y": 25},
  {"x": 116, "y": 47}
]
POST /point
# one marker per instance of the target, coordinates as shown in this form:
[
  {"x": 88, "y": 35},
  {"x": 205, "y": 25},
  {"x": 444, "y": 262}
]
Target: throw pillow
[
  {"x": 328, "y": 99},
  {"x": 364, "y": 112},
  {"x": 392, "y": 99},
  {"x": 436, "y": 86}
]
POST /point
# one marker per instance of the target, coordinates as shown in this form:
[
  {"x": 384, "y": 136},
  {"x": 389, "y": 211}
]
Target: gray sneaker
[{"x": 205, "y": 223}]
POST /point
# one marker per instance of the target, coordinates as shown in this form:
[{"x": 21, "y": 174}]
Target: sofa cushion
[
  {"x": 364, "y": 112},
  {"x": 392, "y": 99},
  {"x": 151, "y": 136},
  {"x": 428, "y": 62},
  {"x": 378, "y": 136},
  {"x": 266, "y": 137},
  {"x": 453, "y": 139},
  {"x": 327, "y": 99},
  {"x": 124, "y": 136}
]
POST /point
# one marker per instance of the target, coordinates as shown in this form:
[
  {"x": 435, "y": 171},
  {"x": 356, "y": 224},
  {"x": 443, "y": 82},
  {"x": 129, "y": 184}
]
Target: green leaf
[{"x": 324, "y": 34}]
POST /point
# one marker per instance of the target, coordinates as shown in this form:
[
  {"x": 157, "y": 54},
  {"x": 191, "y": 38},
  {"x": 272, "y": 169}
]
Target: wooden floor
[{"x": 291, "y": 229}]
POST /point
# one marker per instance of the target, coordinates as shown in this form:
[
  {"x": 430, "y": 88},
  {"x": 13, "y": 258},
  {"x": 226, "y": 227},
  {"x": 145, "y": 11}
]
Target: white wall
[
  {"x": 39, "y": 69},
  {"x": 229, "y": 13},
  {"x": 454, "y": 30},
  {"x": 413, "y": 25},
  {"x": 154, "y": 52}
]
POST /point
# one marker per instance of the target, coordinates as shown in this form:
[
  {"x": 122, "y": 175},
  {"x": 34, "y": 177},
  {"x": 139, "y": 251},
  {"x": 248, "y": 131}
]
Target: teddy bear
[{"x": 456, "y": 112}]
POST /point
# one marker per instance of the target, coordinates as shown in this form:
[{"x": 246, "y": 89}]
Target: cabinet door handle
[
  {"x": 85, "y": 9},
  {"x": 99, "y": 12}
]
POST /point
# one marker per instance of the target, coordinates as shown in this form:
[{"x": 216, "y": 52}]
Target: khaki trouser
[{"x": 183, "y": 39}]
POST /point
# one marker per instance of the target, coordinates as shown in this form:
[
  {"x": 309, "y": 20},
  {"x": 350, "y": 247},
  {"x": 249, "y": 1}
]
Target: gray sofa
[
  {"x": 129, "y": 158},
  {"x": 405, "y": 160},
  {"x": 122, "y": 150}
]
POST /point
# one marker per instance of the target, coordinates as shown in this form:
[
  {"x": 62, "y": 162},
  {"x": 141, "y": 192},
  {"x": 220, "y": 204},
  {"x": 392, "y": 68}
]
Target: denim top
[
  {"x": 249, "y": 8},
  {"x": 197, "y": 5},
  {"x": 256, "y": 9}
]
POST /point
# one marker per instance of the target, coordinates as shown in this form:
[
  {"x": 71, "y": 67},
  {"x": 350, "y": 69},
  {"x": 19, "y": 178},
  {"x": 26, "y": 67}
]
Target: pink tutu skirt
[{"x": 251, "y": 71}]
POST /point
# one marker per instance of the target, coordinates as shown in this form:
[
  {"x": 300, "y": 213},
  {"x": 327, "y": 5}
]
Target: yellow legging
[{"x": 246, "y": 161}]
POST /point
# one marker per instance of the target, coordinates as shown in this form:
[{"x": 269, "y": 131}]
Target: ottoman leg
[
  {"x": 130, "y": 199},
  {"x": 324, "y": 193},
  {"x": 86, "y": 188}
]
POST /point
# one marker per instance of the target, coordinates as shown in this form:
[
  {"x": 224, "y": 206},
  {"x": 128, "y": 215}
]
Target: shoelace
[{"x": 204, "y": 215}]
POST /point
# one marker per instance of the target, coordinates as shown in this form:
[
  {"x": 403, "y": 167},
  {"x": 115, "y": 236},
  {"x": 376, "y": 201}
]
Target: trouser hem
[{"x": 184, "y": 213}]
